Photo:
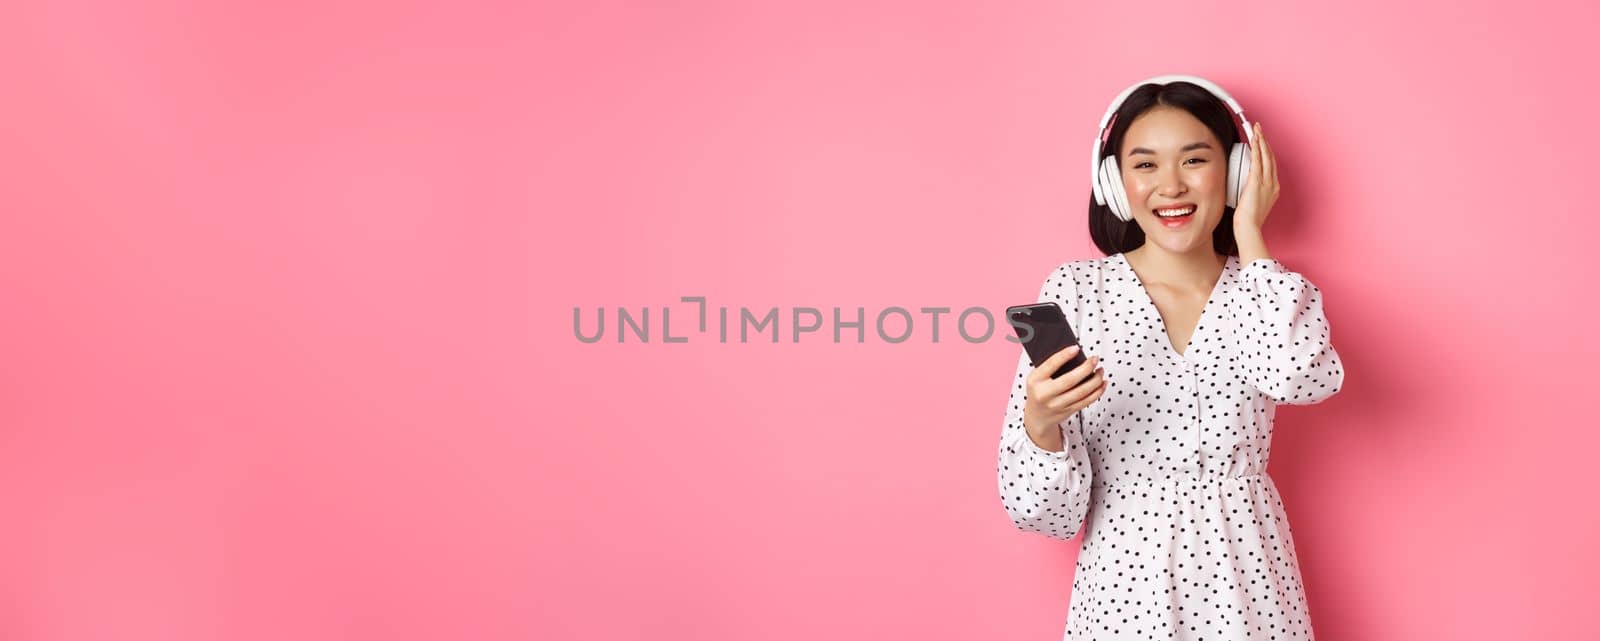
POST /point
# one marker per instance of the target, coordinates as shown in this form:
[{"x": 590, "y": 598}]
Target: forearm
[
  {"x": 1045, "y": 491},
  {"x": 1284, "y": 339}
]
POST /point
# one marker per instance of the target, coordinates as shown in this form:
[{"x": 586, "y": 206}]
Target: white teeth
[{"x": 1171, "y": 213}]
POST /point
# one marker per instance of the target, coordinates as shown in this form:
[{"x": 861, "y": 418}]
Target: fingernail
[{"x": 1072, "y": 349}]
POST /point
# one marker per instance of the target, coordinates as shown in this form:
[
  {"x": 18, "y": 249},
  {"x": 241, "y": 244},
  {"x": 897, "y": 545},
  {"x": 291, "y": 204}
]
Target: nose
[{"x": 1170, "y": 184}]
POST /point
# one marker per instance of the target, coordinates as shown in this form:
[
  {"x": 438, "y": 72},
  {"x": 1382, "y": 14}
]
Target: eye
[
  {"x": 1196, "y": 160},
  {"x": 1141, "y": 165}
]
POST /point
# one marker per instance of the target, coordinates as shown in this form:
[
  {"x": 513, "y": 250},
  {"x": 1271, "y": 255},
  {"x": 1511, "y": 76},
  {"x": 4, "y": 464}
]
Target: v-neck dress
[{"x": 1184, "y": 533}]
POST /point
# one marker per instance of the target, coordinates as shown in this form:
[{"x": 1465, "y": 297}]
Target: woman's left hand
[{"x": 1260, "y": 186}]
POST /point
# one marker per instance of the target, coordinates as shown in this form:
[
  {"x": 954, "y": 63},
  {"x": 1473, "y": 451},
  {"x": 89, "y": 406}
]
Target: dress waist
[{"x": 1179, "y": 480}]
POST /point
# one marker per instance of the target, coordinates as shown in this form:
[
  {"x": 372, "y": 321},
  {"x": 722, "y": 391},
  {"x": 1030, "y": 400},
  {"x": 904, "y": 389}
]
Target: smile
[{"x": 1175, "y": 217}]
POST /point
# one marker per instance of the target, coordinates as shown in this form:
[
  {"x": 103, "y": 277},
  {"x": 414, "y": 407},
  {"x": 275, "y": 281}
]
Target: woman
[{"x": 1195, "y": 333}]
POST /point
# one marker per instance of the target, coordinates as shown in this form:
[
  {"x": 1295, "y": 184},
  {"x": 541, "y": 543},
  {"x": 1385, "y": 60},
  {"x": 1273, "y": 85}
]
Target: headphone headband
[{"x": 1103, "y": 133}]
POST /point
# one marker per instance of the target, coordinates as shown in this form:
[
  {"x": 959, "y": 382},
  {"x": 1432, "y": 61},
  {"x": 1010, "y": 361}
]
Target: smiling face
[{"x": 1171, "y": 162}]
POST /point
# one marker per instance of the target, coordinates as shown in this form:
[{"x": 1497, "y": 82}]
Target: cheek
[
  {"x": 1138, "y": 186},
  {"x": 1215, "y": 177},
  {"x": 1209, "y": 184}
]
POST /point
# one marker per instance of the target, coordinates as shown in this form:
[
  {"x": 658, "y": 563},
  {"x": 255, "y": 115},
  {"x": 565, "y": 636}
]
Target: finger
[
  {"x": 1079, "y": 382},
  {"x": 1056, "y": 360},
  {"x": 1070, "y": 378},
  {"x": 1098, "y": 392},
  {"x": 1083, "y": 395},
  {"x": 1269, "y": 171},
  {"x": 1253, "y": 177}
]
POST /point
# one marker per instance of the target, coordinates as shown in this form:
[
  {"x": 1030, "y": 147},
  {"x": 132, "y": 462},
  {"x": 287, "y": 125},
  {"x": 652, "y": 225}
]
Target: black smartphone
[{"x": 1043, "y": 331}]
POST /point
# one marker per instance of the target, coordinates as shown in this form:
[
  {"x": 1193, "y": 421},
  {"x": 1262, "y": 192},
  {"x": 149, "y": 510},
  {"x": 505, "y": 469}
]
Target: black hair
[{"x": 1111, "y": 234}]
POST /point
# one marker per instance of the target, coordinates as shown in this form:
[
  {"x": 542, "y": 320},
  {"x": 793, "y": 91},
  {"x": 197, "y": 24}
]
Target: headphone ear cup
[
  {"x": 1096, "y": 185},
  {"x": 1101, "y": 195},
  {"x": 1238, "y": 170},
  {"x": 1101, "y": 191},
  {"x": 1122, "y": 195},
  {"x": 1111, "y": 187}
]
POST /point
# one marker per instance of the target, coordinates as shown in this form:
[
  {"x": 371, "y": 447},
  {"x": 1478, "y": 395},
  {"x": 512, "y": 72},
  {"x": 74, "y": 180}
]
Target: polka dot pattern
[{"x": 1184, "y": 533}]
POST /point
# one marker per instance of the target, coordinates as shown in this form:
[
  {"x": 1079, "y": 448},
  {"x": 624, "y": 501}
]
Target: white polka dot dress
[{"x": 1185, "y": 535}]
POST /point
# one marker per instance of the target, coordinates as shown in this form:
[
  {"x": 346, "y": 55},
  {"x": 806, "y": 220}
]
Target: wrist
[
  {"x": 1048, "y": 444},
  {"x": 1048, "y": 438},
  {"x": 1251, "y": 244}
]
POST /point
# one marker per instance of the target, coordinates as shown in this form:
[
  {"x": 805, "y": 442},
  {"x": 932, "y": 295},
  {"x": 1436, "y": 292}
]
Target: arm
[
  {"x": 1044, "y": 491},
  {"x": 1283, "y": 338}
]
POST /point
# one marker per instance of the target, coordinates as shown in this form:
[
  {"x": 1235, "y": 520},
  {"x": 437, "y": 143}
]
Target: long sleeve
[
  {"x": 1043, "y": 491},
  {"x": 1284, "y": 341}
]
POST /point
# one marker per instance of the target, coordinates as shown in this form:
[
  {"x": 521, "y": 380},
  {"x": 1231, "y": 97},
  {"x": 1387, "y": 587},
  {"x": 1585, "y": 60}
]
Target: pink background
[{"x": 288, "y": 336}]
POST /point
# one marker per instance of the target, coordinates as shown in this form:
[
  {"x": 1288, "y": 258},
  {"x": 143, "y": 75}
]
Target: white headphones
[{"x": 1107, "y": 177}]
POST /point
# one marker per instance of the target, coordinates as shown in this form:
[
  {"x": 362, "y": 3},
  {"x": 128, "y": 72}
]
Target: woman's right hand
[{"x": 1052, "y": 400}]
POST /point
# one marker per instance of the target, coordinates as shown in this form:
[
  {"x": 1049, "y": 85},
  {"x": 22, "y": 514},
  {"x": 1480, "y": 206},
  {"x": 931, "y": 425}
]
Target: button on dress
[{"x": 1184, "y": 533}]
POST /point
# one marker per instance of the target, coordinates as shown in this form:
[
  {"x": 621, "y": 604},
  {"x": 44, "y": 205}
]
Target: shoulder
[
  {"x": 1270, "y": 273},
  {"x": 1084, "y": 270},
  {"x": 1072, "y": 275}
]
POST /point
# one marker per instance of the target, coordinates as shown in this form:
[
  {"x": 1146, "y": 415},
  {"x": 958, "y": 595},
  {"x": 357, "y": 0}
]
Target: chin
[
  {"x": 1176, "y": 246},
  {"x": 1191, "y": 236}
]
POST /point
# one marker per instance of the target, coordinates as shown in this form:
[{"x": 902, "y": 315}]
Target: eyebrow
[{"x": 1189, "y": 147}]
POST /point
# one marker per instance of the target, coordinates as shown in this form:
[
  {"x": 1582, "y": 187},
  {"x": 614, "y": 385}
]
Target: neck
[{"x": 1197, "y": 270}]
